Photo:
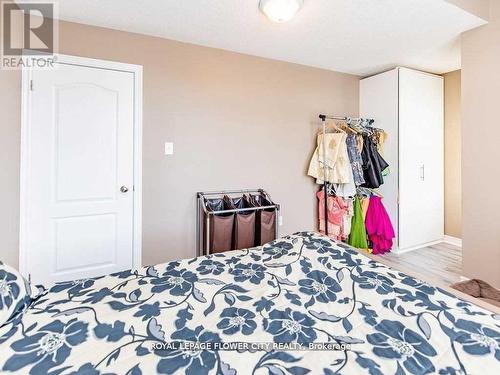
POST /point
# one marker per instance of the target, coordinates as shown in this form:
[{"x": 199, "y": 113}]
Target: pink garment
[
  {"x": 337, "y": 208},
  {"x": 379, "y": 227}
]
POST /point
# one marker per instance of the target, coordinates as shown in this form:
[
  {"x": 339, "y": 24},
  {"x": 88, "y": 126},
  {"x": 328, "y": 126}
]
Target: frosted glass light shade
[{"x": 280, "y": 10}]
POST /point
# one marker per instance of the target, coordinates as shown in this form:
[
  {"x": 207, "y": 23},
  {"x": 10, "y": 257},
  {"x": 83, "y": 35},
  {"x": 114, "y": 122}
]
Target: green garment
[{"x": 357, "y": 238}]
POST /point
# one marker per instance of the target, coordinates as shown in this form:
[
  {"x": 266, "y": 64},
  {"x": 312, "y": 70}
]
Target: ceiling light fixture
[{"x": 280, "y": 10}]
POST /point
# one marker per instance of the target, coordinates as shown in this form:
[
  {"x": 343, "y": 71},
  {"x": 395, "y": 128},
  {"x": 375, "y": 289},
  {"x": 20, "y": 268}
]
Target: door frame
[{"x": 25, "y": 181}]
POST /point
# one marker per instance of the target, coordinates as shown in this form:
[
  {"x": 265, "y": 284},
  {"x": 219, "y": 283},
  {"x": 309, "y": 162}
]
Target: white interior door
[
  {"x": 80, "y": 173},
  {"x": 421, "y": 158}
]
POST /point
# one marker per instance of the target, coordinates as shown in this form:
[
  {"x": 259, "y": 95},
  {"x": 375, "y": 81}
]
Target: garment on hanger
[
  {"x": 379, "y": 137},
  {"x": 349, "y": 214},
  {"x": 333, "y": 142},
  {"x": 357, "y": 237},
  {"x": 359, "y": 142},
  {"x": 379, "y": 227},
  {"x": 347, "y": 189},
  {"x": 342, "y": 171},
  {"x": 337, "y": 208},
  {"x": 373, "y": 164},
  {"x": 355, "y": 158},
  {"x": 365, "y": 202}
]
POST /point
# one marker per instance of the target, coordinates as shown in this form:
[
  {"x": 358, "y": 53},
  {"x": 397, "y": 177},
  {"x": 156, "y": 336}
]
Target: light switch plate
[{"x": 169, "y": 148}]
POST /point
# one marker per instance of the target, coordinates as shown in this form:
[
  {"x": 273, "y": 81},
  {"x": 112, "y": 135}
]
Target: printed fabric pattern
[{"x": 299, "y": 290}]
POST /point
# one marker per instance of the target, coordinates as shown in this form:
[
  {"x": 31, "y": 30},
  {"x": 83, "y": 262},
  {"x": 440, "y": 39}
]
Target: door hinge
[
  {"x": 29, "y": 278},
  {"x": 31, "y": 85}
]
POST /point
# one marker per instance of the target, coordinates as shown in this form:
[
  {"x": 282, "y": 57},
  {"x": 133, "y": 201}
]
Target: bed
[{"x": 301, "y": 304}]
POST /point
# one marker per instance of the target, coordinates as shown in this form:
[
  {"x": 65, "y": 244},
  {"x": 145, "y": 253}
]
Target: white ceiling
[{"x": 354, "y": 36}]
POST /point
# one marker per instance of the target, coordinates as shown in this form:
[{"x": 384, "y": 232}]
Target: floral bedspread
[{"x": 299, "y": 290}]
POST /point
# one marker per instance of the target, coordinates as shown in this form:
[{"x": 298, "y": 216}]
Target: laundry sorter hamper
[{"x": 231, "y": 220}]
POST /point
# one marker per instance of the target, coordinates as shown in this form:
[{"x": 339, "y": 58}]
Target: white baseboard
[
  {"x": 453, "y": 240},
  {"x": 408, "y": 249}
]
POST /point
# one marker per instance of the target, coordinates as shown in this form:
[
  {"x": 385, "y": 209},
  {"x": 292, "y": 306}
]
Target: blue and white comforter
[{"x": 301, "y": 289}]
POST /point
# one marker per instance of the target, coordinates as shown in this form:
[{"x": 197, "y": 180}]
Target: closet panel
[
  {"x": 421, "y": 158},
  {"x": 379, "y": 100}
]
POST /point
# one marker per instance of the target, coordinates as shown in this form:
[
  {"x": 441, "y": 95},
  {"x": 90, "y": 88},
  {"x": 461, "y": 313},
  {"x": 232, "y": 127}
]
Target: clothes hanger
[
  {"x": 356, "y": 125},
  {"x": 334, "y": 125},
  {"x": 364, "y": 192},
  {"x": 365, "y": 125},
  {"x": 361, "y": 192},
  {"x": 348, "y": 129},
  {"x": 330, "y": 190},
  {"x": 375, "y": 192}
]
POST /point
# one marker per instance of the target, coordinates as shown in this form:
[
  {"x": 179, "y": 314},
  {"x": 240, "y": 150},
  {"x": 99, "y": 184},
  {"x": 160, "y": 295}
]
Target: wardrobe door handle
[{"x": 422, "y": 172}]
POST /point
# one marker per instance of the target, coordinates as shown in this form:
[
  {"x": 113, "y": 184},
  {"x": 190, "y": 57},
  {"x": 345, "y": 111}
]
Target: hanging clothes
[
  {"x": 337, "y": 208},
  {"x": 348, "y": 216},
  {"x": 332, "y": 146},
  {"x": 342, "y": 171},
  {"x": 373, "y": 164},
  {"x": 365, "y": 202},
  {"x": 354, "y": 152},
  {"x": 379, "y": 137},
  {"x": 349, "y": 162},
  {"x": 347, "y": 189},
  {"x": 357, "y": 237},
  {"x": 379, "y": 227}
]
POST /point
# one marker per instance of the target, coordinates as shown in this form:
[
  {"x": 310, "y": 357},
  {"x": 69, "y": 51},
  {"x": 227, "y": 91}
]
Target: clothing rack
[
  {"x": 323, "y": 118},
  {"x": 343, "y": 118},
  {"x": 202, "y": 209}
]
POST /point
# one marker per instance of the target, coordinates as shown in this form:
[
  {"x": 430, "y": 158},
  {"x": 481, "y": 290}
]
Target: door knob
[{"x": 124, "y": 189}]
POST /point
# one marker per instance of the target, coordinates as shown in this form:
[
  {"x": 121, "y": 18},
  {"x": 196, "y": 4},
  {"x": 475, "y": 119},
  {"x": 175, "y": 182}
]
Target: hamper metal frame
[{"x": 201, "y": 208}]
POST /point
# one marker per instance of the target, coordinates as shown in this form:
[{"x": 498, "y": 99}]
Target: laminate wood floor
[{"x": 440, "y": 264}]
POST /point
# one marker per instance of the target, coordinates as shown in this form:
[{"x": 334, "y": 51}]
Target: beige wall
[
  {"x": 481, "y": 150},
  {"x": 236, "y": 121},
  {"x": 452, "y": 155},
  {"x": 10, "y": 109},
  {"x": 479, "y": 8}
]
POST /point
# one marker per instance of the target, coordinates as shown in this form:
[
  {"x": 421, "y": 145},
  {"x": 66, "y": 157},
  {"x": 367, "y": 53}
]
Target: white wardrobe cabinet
[{"x": 409, "y": 106}]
